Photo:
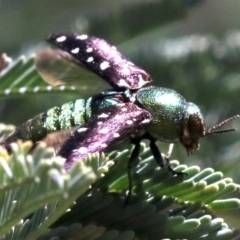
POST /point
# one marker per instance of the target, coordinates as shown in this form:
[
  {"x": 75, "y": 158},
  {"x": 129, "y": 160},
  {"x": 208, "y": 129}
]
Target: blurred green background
[{"x": 190, "y": 46}]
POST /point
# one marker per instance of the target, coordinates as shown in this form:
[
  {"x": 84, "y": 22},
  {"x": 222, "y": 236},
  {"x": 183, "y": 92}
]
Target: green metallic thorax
[{"x": 167, "y": 109}]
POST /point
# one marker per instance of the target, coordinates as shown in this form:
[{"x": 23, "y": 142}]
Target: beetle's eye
[
  {"x": 195, "y": 126},
  {"x": 194, "y": 121}
]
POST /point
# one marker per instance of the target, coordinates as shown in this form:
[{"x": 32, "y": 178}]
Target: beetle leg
[
  {"x": 133, "y": 161},
  {"x": 156, "y": 153},
  {"x": 169, "y": 153}
]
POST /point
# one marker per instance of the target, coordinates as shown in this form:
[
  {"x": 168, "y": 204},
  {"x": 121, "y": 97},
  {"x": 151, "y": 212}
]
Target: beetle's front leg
[
  {"x": 167, "y": 159},
  {"x": 169, "y": 153}
]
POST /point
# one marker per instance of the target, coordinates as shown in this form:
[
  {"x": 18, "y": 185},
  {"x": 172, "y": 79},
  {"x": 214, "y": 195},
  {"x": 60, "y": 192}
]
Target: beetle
[{"x": 132, "y": 110}]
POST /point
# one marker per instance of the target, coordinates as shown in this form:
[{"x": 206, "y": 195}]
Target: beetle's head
[{"x": 194, "y": 127}]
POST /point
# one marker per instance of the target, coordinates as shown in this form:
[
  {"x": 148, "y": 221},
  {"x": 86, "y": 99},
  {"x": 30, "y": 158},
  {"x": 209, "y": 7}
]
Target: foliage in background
[{"x": 35, "y": 190}]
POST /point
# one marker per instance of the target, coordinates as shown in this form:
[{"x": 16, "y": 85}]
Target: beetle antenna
[{"x": 215, "y": 129}]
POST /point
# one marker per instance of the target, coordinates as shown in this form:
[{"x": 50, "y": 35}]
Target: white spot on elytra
[
  {"x": 75, "y": 50},
  {"x": 99, "y": 123},
  {"x": 82, "y": 37},
  {"x": 124, "y": 109},
  {"x": 104, "y": 130},
  {"x": 82, "y": 150},
  {"x": 61, "y": 39},
  {"x": 146, "y": 121},
  {"x": 129, "y": 122},
  {"x": 123, "y": 83},
  {"x": 116, "y": 135},
  {"x": 104, "y": 65},
  {"x": 82, "y": 130},
  {"x": 103, "y": 145},
  {"x": 89, "y": 49},
  {"x": 103, "y": 115},
  {"x": 90, "y": 59}
]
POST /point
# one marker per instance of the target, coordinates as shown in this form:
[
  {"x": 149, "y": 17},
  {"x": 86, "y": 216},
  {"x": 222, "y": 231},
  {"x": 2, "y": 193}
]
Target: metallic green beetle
[{"x": 127, "y": 113}]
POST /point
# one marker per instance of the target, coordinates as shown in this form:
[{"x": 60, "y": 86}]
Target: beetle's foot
[{"x": 170, "y": 168}]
